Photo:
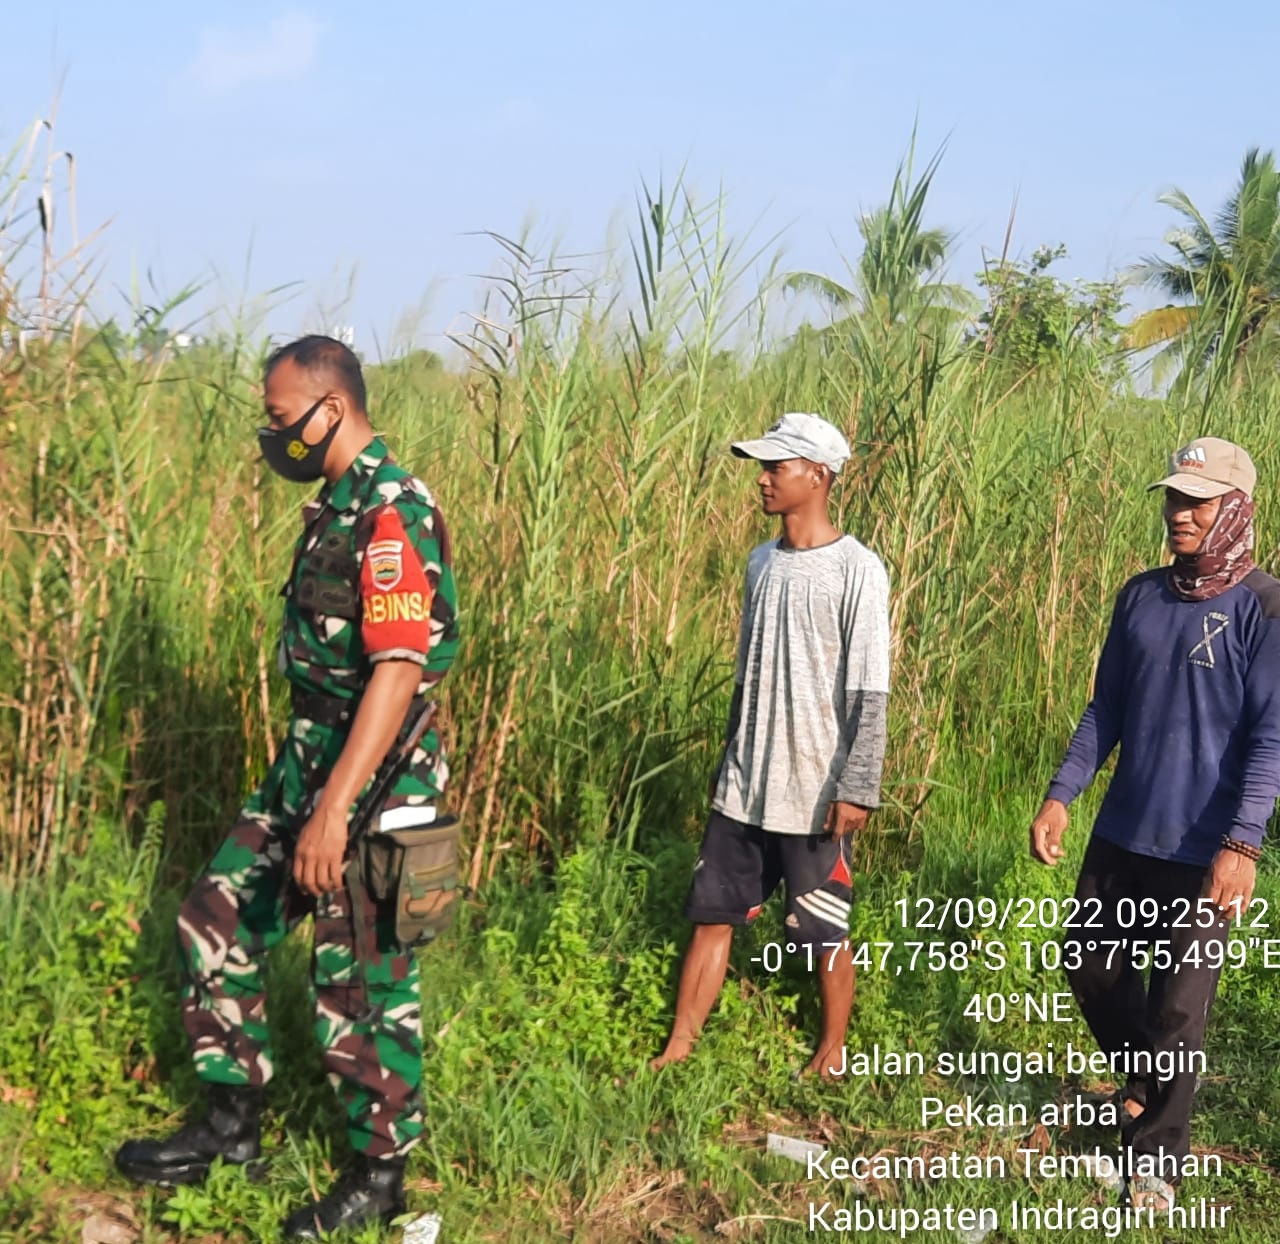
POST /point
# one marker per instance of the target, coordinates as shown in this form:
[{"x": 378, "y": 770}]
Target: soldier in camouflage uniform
[{"x": 369, "y": 628}]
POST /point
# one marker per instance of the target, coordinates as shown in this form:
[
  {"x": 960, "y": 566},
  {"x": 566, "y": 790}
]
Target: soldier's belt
[{"x": 324, "y": 710}]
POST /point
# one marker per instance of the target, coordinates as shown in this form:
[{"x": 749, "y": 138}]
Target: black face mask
[{"x": 287, "y": 454}]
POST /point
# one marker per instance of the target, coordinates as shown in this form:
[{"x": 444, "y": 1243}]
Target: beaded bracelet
[{"x": 1242, "y": 848}]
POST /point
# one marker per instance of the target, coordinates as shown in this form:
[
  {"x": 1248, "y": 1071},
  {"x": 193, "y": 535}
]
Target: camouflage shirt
[{"x": 372, "y": 580}]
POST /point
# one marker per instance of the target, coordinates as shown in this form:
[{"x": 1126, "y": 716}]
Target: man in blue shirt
[{"x": 1188, "y": 684}]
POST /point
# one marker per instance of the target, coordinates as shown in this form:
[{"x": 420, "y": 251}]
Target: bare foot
[
  {"x": 678, "y": 1049},
  {"x": 827, "y": 1063}
]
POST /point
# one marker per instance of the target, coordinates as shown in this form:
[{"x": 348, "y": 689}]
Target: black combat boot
[
  {"x": 229, "y": 1131},
  {"x": 371, "y": 1189}
]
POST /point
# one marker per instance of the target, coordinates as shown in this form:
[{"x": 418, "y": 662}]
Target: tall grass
[{"x": 600, "y": 532}]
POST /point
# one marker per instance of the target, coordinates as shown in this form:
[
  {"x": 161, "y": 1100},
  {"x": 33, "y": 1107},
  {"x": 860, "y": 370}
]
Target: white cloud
[{"x": 285, "y": 48}]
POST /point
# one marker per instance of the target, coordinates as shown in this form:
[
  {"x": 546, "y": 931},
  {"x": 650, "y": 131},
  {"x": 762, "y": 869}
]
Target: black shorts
[{"x": 739, "y": 867}]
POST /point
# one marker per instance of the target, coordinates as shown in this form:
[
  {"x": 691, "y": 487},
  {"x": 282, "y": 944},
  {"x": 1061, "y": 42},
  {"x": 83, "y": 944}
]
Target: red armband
[{"x": 394, "y": 592}]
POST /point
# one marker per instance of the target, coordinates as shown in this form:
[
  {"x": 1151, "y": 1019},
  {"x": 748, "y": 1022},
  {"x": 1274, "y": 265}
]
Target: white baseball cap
[{"x": 798, "y": 435}]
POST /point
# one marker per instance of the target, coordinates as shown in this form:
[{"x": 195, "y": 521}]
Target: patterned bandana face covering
[
  {"x": 287, "y": 454},
  {"x": 1223, "y": 559}
]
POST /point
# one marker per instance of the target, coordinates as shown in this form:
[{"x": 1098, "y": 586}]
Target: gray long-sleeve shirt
[{"x": 813, "y": 684}]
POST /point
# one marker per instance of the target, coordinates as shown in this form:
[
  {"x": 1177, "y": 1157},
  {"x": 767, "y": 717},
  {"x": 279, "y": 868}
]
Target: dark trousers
[{"x": 1166, "y": 1012}]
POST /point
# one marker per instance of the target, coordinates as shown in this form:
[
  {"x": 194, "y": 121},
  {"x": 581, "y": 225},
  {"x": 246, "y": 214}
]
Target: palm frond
[
  {"x": 830, "y": 291},
  {"x": 1163, "y": 324},
  {"x": 1181, "y": 203},
  {"x": 1176, "y": 280}
]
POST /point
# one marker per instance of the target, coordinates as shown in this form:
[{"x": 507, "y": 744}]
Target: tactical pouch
[
  {"x": 330, "y": 578},
  {"x": 416, "y": 869}
]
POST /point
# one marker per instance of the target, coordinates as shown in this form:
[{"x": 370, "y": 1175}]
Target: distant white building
[{"x": 11, "y": 341}]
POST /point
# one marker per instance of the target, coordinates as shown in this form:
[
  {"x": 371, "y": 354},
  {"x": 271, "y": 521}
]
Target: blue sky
[{"x": 323, "y": 139}]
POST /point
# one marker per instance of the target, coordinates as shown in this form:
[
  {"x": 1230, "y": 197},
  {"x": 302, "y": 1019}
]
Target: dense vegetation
[{"x": 600, "y": 532}]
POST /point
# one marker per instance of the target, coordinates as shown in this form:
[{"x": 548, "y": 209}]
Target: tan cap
[{"x": 1209, "y": 467}]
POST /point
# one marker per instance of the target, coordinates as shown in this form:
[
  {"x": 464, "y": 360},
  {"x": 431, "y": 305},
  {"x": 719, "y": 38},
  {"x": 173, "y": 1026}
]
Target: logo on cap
[{"x": 1193, "y": 456}]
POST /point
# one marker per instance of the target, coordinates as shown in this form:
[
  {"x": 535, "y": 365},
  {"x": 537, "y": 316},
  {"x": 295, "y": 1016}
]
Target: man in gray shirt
[{"x": 805, "y": 743}]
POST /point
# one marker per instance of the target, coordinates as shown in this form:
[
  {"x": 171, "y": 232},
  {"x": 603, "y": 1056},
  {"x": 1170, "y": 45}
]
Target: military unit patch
[{"x": 386, "y": 561}]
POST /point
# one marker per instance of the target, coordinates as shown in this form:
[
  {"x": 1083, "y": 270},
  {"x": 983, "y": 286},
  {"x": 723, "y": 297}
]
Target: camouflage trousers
[{"x": 367, "y": 1014}]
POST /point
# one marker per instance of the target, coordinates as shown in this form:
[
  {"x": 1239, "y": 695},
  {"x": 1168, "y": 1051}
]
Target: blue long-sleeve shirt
[{"x": 1191, "y": 692}]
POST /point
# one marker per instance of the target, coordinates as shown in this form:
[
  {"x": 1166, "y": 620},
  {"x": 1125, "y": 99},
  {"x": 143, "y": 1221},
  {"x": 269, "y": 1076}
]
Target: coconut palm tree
[
  {"x": 900, "y": 258},
  {"x": 1225, "y": 275}
]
